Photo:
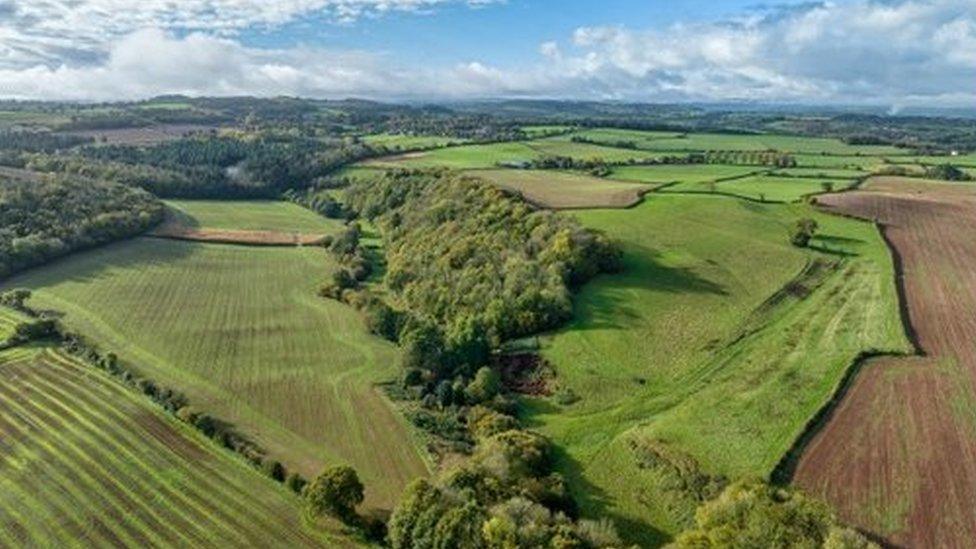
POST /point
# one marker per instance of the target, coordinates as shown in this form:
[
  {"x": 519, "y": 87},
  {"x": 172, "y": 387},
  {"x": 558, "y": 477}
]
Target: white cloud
[{"x": 866, "y": 51}]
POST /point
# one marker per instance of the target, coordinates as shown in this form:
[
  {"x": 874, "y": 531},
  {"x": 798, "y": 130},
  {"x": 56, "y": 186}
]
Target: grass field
[
  {"x": 461, "y": 158},
  {"x": 88, "y": 463},
  {"x": 763, "y": 142},
  {"x": 695, "y": 347},
  {"x": 562, "y": 146},
  {"x": 242, "y": 332},
  {"x": 693, "y": 173},
  {"x": 778, "y": 189},
  {"x": 561, "y": 190},
  {"x": 842, "y": 162},
  {"x": 8, "y": 322},
  {"x": 643, "y": 139},
  {"x": 252, "y": 215},
  {"x": 822, "y": 173},
  {"x": 408, "y": 142}
]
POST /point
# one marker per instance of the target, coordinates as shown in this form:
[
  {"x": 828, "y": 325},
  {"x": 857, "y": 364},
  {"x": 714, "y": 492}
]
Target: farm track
[
  {"x": 898, "y": 457},
  {"x": 86, "y": 462}
]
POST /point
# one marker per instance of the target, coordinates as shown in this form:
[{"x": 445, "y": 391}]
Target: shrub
[
  {"x": 295, "y": 482},
  {"x": 485, "y": 385},
  {"x": 803, "y": 232},
  {"x": 274, "y": 469}
]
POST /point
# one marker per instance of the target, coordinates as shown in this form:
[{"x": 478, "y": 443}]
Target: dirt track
[{"x": 898, "y": 456}]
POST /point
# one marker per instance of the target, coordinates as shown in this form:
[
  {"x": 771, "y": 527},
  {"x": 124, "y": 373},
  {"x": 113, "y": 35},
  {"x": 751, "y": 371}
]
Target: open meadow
[
  {"x": 709, "y": 353},
  {"x": 242, "y": 332},
  {"x": 87, "y": 462}
]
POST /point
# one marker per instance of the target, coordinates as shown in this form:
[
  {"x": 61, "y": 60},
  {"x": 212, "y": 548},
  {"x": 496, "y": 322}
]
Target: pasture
[
  {"x": 397, "y": 141},
  {"x": 566, "y": 190},
  {"x": 685, "y": 173},
  {"x": 908, "y": 477},
  {"x": 9, "y": 319},
  {"x": 768, "y": 142},
  {"x": 775, "y": 189},
  {"x": 462, "y": 158},
  {"x": 242, "y": 332},
  {"x": 562, "y": 146},
  {"x": 88, "y": 462},
  {"x": 718, "y": 341}
]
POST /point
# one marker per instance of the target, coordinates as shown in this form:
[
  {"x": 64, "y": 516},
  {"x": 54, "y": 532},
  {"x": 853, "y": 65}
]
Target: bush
[
  {"x": 274, "y": 469},
  {"x": 295, "y": 482},
  {"x": 485, "y": 385},
  {"x": 803, "y": 232}
]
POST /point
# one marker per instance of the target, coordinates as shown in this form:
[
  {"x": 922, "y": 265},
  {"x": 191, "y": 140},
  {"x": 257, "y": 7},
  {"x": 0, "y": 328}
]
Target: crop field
[
  {"x": 407, "y": 142},
  {"x": 691, "y": 173},
  {"x": 540, "y": 131},
  {"x": 643, "y": 139},
  {"x": 958, "y": 160},
  {"x": 911, "y": 478},
  {"x": 727, "y": 392},
  {"x": 87, "y": 462},
  {"x": 776, "y": 189},
  {"x": 462, "y": 158},
  {"x": 563, "y": 190},
  {"x": 242, "y": 332}
]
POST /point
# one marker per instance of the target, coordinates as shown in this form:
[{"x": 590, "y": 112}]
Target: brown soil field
[
  {"x": 175, "y": 230},
  {"x": 149, "y": 135},
  {"x": 897, "y": 457}
]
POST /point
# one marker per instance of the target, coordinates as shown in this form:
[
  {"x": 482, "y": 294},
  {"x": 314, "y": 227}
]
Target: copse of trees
[
  {"x": 38, "y": 141},
  {"x": 46, "y": 219},
  {"x": 803, "y": 232},
  {"x": 472, "y": 266},
  {"x": 754, "y": 514}
]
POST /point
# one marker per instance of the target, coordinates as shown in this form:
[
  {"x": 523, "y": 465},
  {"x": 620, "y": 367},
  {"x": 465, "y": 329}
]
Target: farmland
[
  {"x": 910, "y": 477},
  {"x": 777, "y": 189},
  {"x": 729, "y": 391},
  {"x": 466, "y": 157},
  {"x": 87, "y": 462},
  {"x": 410, "y": 142},
  {"x": 690, "y": 173},
  {"x": 241, "y": 331},
  {"x": 561, "y": 190},
  {"x": 251, "y": 215}
]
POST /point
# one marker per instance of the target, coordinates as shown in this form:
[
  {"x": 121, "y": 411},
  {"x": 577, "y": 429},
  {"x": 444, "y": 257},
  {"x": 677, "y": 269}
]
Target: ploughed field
[
  {"x": 241, "y": 331},
  {"x": 709, "y": 353},
  {"x": 898, "y": 456},
  {"x": 88, "y": 462}
]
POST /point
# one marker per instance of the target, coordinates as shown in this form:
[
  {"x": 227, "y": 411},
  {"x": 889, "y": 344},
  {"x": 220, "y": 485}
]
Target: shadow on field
[
  {"x": 596, "y": 502},
  {"x": 612, "y": 303}
]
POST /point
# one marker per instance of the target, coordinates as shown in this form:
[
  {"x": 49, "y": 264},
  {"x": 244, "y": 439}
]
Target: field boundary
[{"x": 785, "y": 469}]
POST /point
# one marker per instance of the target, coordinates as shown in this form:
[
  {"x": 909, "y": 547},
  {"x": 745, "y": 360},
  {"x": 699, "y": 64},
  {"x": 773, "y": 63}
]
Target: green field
[
  {"x": 89, "y": 463},
  {"x": 462, "y": 158},
  {"x": 687, "y": 173},
  {"x": 540, "y": 131},
  {"x": 765, "y": 142},
  {"x": 842, "y": 162},
  {"x": 8, "y": 322},
  {"x": 409, "y": 142},
  {"x": 242, "y": 332},
  {"x": 560, "y": 190},
  {"x": 252, "y": 215},
  {"x": 562, "y": 146},
  {"x": 689, "y": 348},
  {"x": 643, "y": 139},
  {"x": 968, "y": 160},
  {"x": 777, "y": 189},
  {"x": 822, "y": 173}
]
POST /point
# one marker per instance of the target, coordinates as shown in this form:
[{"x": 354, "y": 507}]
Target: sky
[{"x": 895, "y": 53}]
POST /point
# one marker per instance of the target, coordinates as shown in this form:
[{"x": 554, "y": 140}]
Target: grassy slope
[
  {"x": 90, "y": 463},
  {"x": 241, "y": 331},
  {"x": 655, "y": 351},
  {"x": 783, "y": 143},
  {"x": 252, "y": 215},
  {"x": 562, "y": 146}
]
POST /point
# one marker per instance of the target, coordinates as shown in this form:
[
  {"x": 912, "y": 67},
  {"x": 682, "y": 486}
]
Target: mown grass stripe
[
  {"x": 185, "y": 525},
  {"x": 60, "y": 500},
  {"x": 204, "y": 485}
]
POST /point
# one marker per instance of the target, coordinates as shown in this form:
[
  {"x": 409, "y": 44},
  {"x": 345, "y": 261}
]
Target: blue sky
[
  {"x": 504, "y": 33},
  {"x": 879, "y": 52}
]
